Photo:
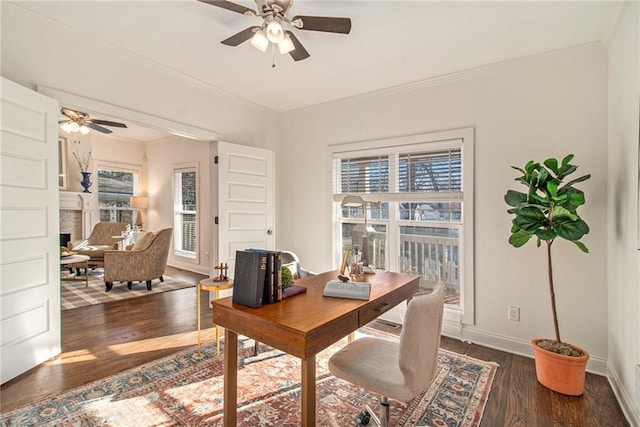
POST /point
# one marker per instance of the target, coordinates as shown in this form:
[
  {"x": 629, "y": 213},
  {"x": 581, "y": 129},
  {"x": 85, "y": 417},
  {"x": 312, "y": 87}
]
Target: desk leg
[
  {"x": 309, "y": 392},
  {"x": 230, "y": 378}
]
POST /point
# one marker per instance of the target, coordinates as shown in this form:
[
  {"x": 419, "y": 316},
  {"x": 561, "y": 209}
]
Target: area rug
[
  {"x": 185, "y": 389},
  {"x": 75, "y": 294}
]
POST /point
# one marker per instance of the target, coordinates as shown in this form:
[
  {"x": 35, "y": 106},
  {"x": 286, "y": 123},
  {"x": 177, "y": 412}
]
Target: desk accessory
[{"x": 351, "y": 290}]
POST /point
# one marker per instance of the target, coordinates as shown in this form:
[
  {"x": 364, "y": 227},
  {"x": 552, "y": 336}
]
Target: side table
[
  {"x": 80, "y": 261},
  {"x": 210, "y": 285}
]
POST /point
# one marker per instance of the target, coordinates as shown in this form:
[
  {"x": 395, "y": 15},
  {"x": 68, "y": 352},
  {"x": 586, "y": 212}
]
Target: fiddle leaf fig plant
[{"x": 548, "y": 210}]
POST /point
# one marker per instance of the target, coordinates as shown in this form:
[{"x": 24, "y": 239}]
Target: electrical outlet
[{"x": 514, "y": 313}]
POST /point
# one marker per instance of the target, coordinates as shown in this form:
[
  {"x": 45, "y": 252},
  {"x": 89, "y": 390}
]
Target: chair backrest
[
  {"x": 160, "y": 244},
  {"x": 103, "y": 232},
  {"x": 420, "y": 338},
  {"x": 291, "y": 261}
]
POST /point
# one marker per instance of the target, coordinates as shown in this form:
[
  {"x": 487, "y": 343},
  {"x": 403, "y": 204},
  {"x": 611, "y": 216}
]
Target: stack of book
[{"x": 258, "y": 278}]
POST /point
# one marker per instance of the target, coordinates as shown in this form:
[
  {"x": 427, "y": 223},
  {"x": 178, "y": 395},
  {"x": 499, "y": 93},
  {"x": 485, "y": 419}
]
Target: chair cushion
[
  {"x": 143, "y": 242},
  {"x": 94, "y": 251},
  {"x": 372, "y": 363}
]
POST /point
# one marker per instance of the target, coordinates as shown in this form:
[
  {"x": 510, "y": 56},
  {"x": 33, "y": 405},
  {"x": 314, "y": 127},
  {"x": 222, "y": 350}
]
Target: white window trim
[
  {"x": 117, "y": 167},
  {"x": 188, "y": 257},
  {"x": 435, "y": 140}
]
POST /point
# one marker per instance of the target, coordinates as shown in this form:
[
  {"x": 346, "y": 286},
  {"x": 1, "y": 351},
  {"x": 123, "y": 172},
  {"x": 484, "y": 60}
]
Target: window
[
  {"x": 423, "y": 223},
  {"x": 185, "y": 208},
  {"x": 116, "y": 185}
]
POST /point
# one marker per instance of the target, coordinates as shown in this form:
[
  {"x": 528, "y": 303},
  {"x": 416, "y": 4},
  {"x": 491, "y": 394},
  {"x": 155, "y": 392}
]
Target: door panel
[
  {"x": 245, "y": 200},
  {"x": 29, "y": 230}
]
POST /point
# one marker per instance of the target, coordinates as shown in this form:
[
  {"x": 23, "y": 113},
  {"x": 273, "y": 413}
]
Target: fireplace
[{"x": 77, "y": 215}]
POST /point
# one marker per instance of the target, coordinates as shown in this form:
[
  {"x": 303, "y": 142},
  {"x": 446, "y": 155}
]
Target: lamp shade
[
  {"x": 352, "y": 201},
  {"x": 139, "y": 202}
]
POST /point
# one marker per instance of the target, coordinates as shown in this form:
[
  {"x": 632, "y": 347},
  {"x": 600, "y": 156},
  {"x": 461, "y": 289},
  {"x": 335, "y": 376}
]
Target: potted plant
[{"x": 548, "y": 210}]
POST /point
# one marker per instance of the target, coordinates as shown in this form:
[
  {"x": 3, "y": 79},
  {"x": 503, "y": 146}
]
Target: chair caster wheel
[{"x": 363, "y": 418}]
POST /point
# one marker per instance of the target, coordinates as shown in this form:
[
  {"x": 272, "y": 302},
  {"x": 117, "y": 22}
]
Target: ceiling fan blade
[
  {"x": 97, "y": 127},
  {"x": 73, "y": 115},
  {"x": 324, "y": 23},
  {"x": 230, "y": 6},
  {"x": 106, "y": 123},
  {"x": 299, "y": 53},
  {"x": 240, "y": 37}
]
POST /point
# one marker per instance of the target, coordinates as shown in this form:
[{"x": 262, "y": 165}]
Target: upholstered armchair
[
  {"x": 291, "y": 261},
  {"x": 144, "y": 262},
  {"x": 100, "y": 240}
]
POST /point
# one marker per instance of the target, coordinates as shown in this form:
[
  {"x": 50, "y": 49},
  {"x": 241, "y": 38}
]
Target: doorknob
[{"x": 270, "y": 232}]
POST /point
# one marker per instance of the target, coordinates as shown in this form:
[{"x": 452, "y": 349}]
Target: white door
[
  {"x": 246, "y": 209},
  {"x": 29, "y": 230}
]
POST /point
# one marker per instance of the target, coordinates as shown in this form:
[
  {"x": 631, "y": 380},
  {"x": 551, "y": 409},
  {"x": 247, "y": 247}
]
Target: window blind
[{"x": 439, "y": 172}]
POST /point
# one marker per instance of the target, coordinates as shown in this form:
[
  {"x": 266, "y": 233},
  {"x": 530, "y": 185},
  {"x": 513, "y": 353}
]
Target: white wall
[
  {"x": 549, "y": 105},
  {"x": 624, "y": 240},
  {"x": 162, "y": 156}
]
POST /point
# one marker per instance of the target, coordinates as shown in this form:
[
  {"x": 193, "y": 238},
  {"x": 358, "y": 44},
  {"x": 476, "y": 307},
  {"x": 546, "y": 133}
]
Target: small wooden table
[
  {"x": 302, "y": 326},
  {"x": 78, "y": 261},
  {"x": 211, "y": 285}
]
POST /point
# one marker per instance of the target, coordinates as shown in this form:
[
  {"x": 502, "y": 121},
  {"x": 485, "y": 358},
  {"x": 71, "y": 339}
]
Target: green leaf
[
  {"x": 552, "y": 164},
  {"x": 543, "y": 178},
  {"x": 570, "y": 230},
  {"x": 552, "y": 187},
  {"x": 530, "y": 219},
  {"x": 559, "y": 211},
  {"x": 530, "y": 166},
  {"x": 565, "y": 171},
  {"x": 575, "y": 181},
  {"x": 582, "y": 247},
  {"x": 519, "y": 238},
  {"x": 567, "y": 159},
  {"x": 545, "y": 234},
  {"x": 515, "y": 198}
]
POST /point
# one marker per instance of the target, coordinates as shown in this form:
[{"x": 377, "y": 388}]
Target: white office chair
[{"x": 398, "y": 370}]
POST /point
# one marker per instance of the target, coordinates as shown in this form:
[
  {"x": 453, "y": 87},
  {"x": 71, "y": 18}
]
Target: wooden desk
[{"x": 302, "y": 326}]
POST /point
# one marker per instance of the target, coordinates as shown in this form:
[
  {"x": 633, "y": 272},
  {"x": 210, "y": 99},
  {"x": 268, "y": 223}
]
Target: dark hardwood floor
[{"x": 103, "y": 340}]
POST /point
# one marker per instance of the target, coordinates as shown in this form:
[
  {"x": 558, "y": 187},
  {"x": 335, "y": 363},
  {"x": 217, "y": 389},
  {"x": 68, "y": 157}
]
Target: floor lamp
[{"x": 139, "y": 203}]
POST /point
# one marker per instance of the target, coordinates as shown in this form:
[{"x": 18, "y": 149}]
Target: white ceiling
[{"x": 392, "y": 43}]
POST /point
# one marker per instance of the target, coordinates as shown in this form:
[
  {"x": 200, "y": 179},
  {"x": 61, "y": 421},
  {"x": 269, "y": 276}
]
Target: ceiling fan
[
  {"x": 273, "y": 14},
  {"x": 77, "y": 121}
]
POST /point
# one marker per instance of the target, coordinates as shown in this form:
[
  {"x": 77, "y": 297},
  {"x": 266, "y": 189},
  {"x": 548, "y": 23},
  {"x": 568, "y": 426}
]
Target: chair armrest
[{"x": 77, "y": 244}]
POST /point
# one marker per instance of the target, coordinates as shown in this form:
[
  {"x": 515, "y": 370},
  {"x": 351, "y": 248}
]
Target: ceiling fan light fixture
[
  {"x": 275, "y": 33},
  {"x": 66, "y": 126},
  {"x": 84, "y": 130},
  {"x": 286, "y": 45},
  {"x": 260, "y": 41}
]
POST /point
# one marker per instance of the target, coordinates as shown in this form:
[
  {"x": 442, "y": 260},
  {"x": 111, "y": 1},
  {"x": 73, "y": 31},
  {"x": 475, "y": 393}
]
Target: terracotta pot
[{"x": 564, "y": 374}]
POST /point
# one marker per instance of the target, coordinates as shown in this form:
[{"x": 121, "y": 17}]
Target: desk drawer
[{"x": 376, "y": 308}]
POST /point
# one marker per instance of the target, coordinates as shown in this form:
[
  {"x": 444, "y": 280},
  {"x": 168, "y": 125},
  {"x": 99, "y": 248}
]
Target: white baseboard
[
  {"x": 596, "y": 365},
  {"x": 626, "y": 402},
  {"x": 188, "y": 267}
]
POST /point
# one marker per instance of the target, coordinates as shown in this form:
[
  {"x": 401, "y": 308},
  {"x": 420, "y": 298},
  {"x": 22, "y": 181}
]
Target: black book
[
  {"x": 268, "y": 297},
  {"x": 278, "y": 275},
  {"x": 249, "y": 277}
]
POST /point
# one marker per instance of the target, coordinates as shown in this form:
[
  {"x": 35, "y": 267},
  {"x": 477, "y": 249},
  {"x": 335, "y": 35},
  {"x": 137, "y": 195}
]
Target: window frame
[
  {"x": 389, "y": 146},
  {"x": 118, "y": 167},
  {"x": 188, "y": 256}
]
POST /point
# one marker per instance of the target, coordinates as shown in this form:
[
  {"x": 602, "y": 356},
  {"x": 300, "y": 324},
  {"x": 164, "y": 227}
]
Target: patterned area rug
[
  {"x": 187, "y": 390},
  {"x": 74, "y": 294}
]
